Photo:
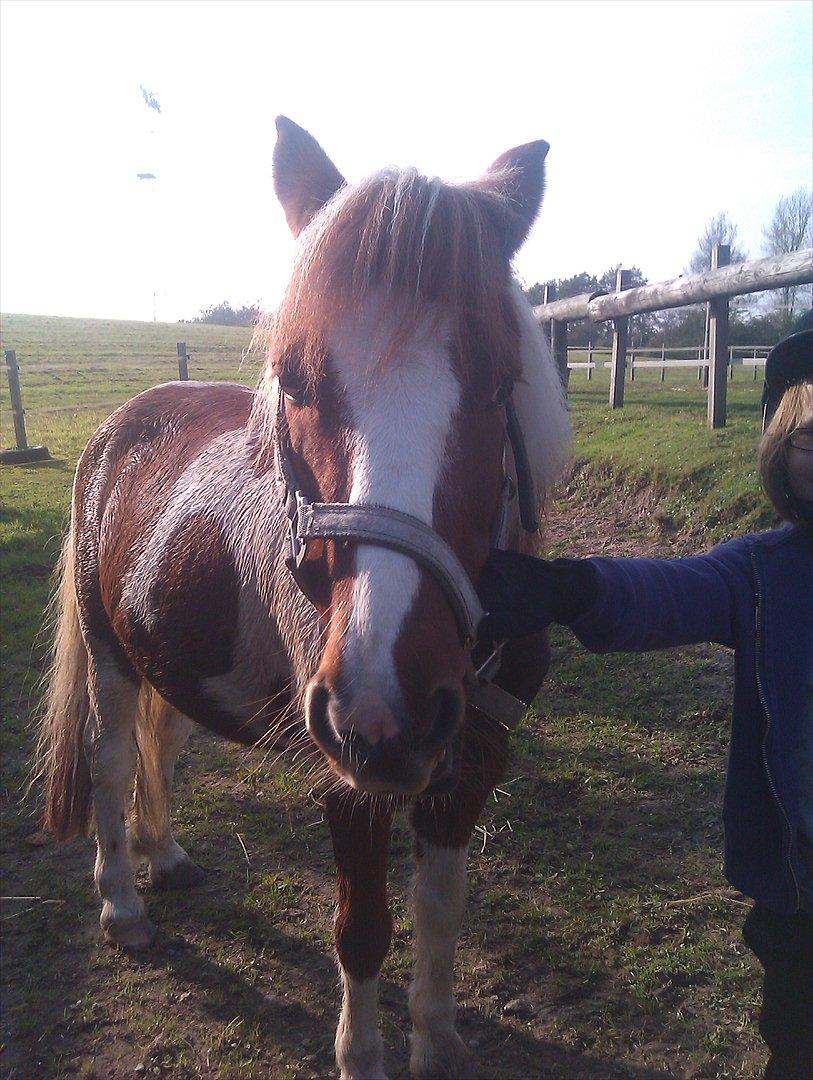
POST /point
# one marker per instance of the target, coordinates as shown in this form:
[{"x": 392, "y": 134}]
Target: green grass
[
  {"x": 704, "y": 481},
  {"x": 596, "y": 891},
  {"x": 68, "y": 362}
]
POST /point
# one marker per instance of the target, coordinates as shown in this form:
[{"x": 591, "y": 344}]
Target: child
[{"x": 754, "y": 594}]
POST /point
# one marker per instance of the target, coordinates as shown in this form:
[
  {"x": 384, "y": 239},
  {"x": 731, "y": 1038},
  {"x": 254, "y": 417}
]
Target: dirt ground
[{"x": 242, "y": 982}]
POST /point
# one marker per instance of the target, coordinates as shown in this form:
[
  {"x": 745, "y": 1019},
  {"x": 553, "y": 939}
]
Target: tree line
[
  {"x": 223, "y": 314},
  {"x": 754, "y": 320}
]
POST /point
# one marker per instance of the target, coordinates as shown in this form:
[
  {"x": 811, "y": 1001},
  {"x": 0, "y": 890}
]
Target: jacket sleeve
[{"x": 647, "y": 604}]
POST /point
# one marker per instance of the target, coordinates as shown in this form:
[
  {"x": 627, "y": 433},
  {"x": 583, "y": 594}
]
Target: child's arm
[
  {"x": 622, "y": 605},
  {"x": 645, "y": 604}
]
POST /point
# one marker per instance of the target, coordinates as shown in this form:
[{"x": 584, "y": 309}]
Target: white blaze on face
[{"x": 401, "y": 413}]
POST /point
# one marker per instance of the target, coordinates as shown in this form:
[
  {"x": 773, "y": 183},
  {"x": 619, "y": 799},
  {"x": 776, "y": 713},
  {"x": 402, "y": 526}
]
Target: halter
[{"x": 383, "y": 527}]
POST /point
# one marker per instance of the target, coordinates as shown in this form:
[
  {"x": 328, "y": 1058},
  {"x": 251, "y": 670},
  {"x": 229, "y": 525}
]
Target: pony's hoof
[
  {"x": 443, "y": 1057},
  {"x": 128, "y": 931},
  {"x": 183, "y": 874}
]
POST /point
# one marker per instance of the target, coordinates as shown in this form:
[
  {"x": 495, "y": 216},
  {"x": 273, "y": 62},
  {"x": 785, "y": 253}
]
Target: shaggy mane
[{"x": 434, "y": 249}]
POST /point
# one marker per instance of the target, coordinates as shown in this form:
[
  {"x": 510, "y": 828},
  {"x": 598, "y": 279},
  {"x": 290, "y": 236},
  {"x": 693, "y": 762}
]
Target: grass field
[{"x": 601, "y": 938}]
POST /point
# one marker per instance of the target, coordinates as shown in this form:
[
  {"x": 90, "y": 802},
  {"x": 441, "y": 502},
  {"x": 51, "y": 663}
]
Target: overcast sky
[{"x": 659, "y": 116}]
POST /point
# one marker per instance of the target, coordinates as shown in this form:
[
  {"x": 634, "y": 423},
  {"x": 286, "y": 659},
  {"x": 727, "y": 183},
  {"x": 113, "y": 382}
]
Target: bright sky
[{"x": 659, "y": 116}]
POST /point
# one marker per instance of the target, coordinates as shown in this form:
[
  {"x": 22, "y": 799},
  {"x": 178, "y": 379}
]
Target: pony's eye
[
  {"x": 504, "y": 391},
  {"x": 293, "y": 385}
]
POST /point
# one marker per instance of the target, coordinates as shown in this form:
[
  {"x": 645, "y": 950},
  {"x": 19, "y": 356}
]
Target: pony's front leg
[
  {"x": 360, "y": 828},
  {"x": 443, "y": 827}
]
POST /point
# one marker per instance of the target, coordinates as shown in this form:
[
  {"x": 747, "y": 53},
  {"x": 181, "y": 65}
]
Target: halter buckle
[{"x": 294, "y": 503}]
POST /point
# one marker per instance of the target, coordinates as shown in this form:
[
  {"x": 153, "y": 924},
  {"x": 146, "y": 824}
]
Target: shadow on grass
[{"x": 285, "y": 1024}]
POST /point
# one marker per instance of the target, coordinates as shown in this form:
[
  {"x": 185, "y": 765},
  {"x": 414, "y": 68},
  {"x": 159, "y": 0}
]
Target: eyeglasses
[{"x": 802, "y": 438}]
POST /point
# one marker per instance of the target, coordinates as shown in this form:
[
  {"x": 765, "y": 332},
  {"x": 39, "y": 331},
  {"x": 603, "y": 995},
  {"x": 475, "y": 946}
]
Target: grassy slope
[
  {"x": 597, "y": 897},
  {"x": 705, "y": 481}
]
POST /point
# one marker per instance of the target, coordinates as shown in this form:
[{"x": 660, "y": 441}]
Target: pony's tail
[
  {"x": 149, "y": 818},
  {"x": 60, "y": 765}
]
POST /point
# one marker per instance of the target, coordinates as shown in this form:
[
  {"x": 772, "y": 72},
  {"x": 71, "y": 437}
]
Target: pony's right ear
[{"x": 304, "y": 176}]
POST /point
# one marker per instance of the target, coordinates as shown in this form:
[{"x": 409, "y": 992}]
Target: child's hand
[{"x": 522, "y": 595}]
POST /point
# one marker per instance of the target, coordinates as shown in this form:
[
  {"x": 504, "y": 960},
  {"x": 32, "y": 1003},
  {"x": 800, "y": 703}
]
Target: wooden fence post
[
  {"x": 558, "y": 347},
  {"x": 557, "y": 335},
  {"x": 589, "y": 359},
  {"x": 183, "y": 366},
  {"x": 619, "y": 354},
  {"x": 663, "y": 362},
  {"x": 548, "y": 296},
  {"x": 706, "y": 347},
  {"x": 718, "y": 344},
  {"x": 22, "y": 453},
  {"x": 17, "y": 411}
]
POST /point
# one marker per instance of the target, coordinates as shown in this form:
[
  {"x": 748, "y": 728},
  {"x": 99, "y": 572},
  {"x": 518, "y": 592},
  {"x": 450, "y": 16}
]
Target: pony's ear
[
  {"x": 304, "y": 176},
  {"x": 517, "y": 179}
]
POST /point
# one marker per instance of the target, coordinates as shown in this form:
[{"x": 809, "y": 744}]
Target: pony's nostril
[
  {"x": 445, "y": 714},
  {"x": 316, "y": 715}
]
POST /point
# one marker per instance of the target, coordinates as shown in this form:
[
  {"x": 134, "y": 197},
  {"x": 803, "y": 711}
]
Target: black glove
[{"x": 522, "y": 595}]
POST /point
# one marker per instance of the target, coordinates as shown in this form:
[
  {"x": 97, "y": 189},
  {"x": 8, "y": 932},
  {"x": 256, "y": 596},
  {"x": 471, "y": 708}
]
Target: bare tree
[
  {"x": 718, "y": 230},
  {"x": 791, "y": 229}
]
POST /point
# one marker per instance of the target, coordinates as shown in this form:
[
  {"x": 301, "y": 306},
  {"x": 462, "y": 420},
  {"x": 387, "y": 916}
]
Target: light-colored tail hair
[
  {"x": 149, "y": 817},
  {"x": 60, "y": 765}
]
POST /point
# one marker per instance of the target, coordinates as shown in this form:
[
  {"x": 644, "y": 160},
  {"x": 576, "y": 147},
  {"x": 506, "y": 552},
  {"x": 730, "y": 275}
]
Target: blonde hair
[{"x": 773, "y": 450}]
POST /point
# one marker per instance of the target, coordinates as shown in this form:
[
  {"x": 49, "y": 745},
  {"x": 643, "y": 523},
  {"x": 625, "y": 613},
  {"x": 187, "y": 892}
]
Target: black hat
[{"x": 789, "y": 362}]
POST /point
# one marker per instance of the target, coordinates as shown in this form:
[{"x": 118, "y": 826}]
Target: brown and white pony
[{"x": 401, "y": 332}]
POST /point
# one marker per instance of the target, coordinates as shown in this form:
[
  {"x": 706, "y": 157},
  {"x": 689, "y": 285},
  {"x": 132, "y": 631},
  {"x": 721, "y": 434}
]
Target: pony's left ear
[
  {"x": 304, "y": 176},
  {"x": 517, "y": 178}
]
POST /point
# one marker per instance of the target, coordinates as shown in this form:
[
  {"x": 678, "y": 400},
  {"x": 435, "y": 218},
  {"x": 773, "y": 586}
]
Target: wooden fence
[
  {"x": 665, "y": 357},
  {"x": 714, "y": 287},
  {"x": 23, "y": 452}
]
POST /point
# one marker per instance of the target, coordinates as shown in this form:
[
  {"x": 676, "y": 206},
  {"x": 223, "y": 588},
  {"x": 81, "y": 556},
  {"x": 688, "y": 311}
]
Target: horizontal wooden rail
[
  {"x": 569, "y": 309},
  {"x": 742, "y": 361},
  {"x": 668, "y": 363},
  {"x": 87, "y": 406},
  {"x": 775, "y": 272}
]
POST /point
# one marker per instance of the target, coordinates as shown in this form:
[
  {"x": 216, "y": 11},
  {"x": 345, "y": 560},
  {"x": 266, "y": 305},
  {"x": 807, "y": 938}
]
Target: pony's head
[{"x": 399, "y": 337}]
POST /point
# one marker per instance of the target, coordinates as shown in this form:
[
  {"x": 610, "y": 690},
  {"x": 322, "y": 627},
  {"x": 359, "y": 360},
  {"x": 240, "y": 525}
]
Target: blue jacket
[{"x": 754, "y": 594}]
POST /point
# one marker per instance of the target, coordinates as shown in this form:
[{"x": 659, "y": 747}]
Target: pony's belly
[{"x": 257, "y": 716}]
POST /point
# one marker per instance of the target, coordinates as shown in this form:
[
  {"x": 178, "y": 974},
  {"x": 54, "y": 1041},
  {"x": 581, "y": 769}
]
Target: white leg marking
[
  {"x": 359, "y": 1046},
  {"x": 440, "y": 901},
  {"x": 111, "y": 749}
]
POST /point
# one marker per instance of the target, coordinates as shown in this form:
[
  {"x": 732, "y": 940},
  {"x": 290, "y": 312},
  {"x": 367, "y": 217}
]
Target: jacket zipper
[{"x": 768, "y": 722}]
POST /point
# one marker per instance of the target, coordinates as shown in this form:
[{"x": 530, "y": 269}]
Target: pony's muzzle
[{"x": 376, "y": 749}]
